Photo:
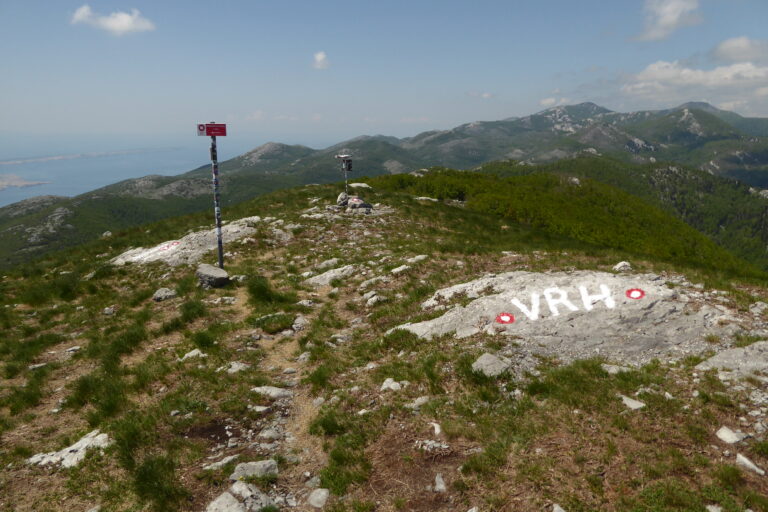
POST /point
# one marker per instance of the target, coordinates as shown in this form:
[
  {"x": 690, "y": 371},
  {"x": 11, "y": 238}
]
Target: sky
[{"x": 111, "y": 75}]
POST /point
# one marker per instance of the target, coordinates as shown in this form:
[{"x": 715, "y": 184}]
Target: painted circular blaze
[
  {"x": 635, "y": 293},
  {"x": 505, "y": 318}
]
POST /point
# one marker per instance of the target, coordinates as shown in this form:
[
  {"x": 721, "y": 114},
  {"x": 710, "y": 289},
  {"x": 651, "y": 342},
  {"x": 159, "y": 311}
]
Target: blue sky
[{"x": 114, "y": 74}]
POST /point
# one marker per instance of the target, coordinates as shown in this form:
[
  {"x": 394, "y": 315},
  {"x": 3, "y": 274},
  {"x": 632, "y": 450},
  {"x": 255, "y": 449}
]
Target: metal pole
[
  {"x": 346, "y": 187},
  {"x": 216, "y": 205}
]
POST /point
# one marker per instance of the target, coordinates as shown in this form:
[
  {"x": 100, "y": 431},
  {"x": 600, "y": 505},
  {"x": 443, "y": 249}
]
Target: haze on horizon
[{"x": 121, "y": 74}]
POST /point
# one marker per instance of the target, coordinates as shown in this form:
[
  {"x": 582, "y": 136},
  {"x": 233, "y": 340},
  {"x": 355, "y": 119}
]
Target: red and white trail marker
[
  {"x": 212, "y": 129},
  {"x": 505, "y": 318}
]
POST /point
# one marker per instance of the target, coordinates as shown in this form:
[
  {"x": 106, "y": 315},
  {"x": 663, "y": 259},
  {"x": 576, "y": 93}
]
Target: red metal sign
[{"x": 212, "y": 129}]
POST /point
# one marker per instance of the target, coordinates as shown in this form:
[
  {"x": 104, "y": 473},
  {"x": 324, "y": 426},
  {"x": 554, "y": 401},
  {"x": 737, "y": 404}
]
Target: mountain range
[{"x": 695, "y": 135}]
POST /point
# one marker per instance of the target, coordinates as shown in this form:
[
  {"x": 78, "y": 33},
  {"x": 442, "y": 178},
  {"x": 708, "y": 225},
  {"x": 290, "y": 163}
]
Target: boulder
[
  {"x": 325, "y": 278},
  {"x": 164, "y": 294},
  {"x": 252, "y": 496},
  {"x": 211, "y": 277},
  {"x": 622, "y": 266},
  {"x": 318, "y": 498},
  {"x": 225, "y": 503},
  {"x": 72, "y": 455},
  {"x": 273, "y": 392},
  {"x": 342, "y": 199},
  {"x": 727, "y": 435},
  {"x": 491, "y": 365},
  {"x": 739, "y": 362},
  {"x": 254, "y": 469}
]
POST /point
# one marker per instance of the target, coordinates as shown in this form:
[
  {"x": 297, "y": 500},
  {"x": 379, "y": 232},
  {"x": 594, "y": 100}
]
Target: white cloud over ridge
[
  {"x": 742, "y": 49},
  {"x": 553, "y": 102},
  {"x": 737, "y": 85},
  {"x": 663, "y": 17},
  {"x": 117, "y": 23},
  {"x": 320, "y": 61}
]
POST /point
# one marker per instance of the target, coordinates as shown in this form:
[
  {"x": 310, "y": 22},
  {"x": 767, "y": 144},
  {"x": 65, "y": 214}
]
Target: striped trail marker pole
[{"x": 213, "y": 130}]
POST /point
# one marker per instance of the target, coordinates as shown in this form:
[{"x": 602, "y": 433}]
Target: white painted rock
[
  {"x": 72, "y": 455},
  {"x": 628, "y": 318},
  {"x": 318, "y": 498}
]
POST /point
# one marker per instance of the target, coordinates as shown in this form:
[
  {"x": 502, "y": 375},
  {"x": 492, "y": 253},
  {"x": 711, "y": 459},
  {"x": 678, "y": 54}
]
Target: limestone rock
[
  {"x": 325, "y": 278},
  {"x": 72, "y": 455},
  {"x": 252, "y": 496},
  {"x": 631, "y": 403},
  {"x": 193, "y": 353},
  {"x": 439, "y": 483},
  {"x": 390, "y": 385},
  {"x": 220, "y": 464},
  {"x": 225, "y": 503},
  {"x": 727, "y": 435},
  {"x": 490, "y": 365},
  {"x": 739, "y": 362},
  {"x": 622, "y": 266},
  {"x": 273, "y": 392},
  {"x": 211, "y": 277},
  {"x": 163, "y": 294},
  {"x": 742, "y": 461},
  {"x": 399, "y": 270},
  {"x": 342, "y": 199},
  {"x": 318, "y": 498},
  {"x": 254, "y": 469}
]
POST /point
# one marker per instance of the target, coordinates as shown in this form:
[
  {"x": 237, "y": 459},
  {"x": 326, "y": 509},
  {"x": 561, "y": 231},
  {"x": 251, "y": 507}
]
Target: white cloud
[
  {"x": 320, "y": 61},
  {"x": 762, "y": 91},
  {"x": 118, "y": 23},
  {"x": 481, "y": 95},
  {"x": 551, "y": 102},
  {"x": 742, "y": 49},
  {"x": 256, "y": 115},
  {"x": 662, "y": 17},
  {"x": 737, "y": 85}
]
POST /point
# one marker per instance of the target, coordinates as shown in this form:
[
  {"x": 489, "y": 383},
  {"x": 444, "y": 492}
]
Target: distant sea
[{"x": 73, "y": 174}]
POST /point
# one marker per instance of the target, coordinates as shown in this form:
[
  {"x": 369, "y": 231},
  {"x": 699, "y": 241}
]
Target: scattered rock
[
  {"x": 439, "y": 483},
  {"x": 254, "y": 469},
  {"x": 299, "y": 323},
  {"x": 632, "y": 403},
  {"x": 325, "y": 278},
  {"x": 741, "y": 460},
  {"x": 416, "y": 259},
  {"x": 557, "y": 508},
  {"x": 611, "y": 369},
  {"x": 360, "y": 185},
  {"x": 622, "y": 266},
  {"x": 416, "y": 404},
  {"x": 220, "y": 464},
  {"x": 491, "y": 365},
  {"x": 739, "y": 362},
  {"x": 399, "y": 270},
  {"x": 211, "y": 277},
  {"x": 72, "y": 455},
  {"x": 727, "y": 435},
  {"x": 273, "y": 392},
  {"x": 331, "y": 263},
  {"x": 424, "y": 198},
  {"x": 164, "y": 294},
  {"x": 313, "y": 483},
  {"x": 307, "y": 303},
  {"x": 758, "y": 308},
  {"x": 318, "y": 498},
  {"x": 390, "y": 385},
  {"x": 342, "y": 199},
  {"x": 109, "y": 310},
  {"x": 193, "y": 353},
  {"x": 225, "y": 503},
  {"x": 234, "y": 367},
  {"x": 253, "y": 498}
]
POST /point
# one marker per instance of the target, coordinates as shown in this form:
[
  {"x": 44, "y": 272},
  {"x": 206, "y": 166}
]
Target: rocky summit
[{"x": 424, "y": 351}]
